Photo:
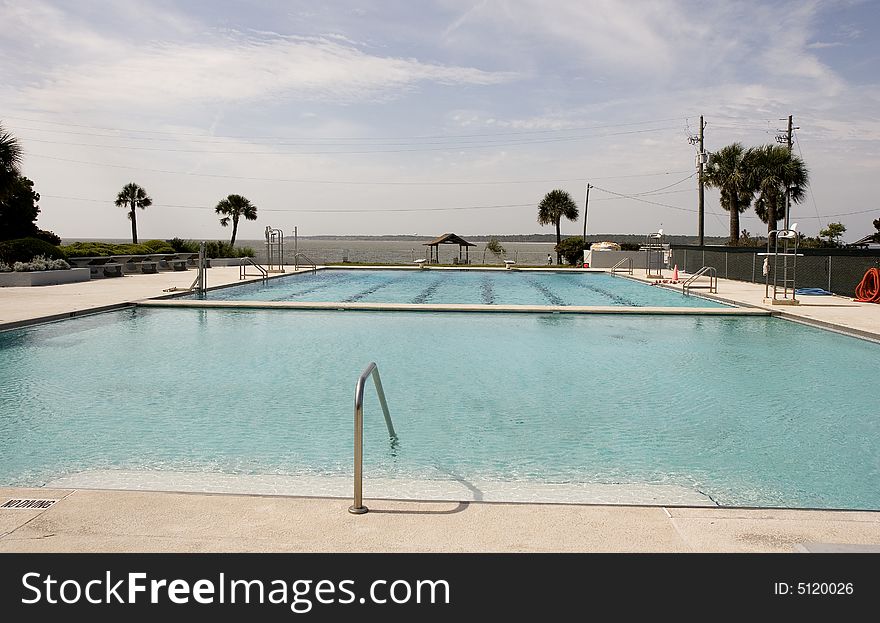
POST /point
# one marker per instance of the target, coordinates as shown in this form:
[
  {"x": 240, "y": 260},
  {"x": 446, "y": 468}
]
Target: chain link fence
[{"x": 836, "y": 270}]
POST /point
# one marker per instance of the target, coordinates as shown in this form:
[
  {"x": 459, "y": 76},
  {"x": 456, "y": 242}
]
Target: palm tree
[
  {"x": 234, "y": 207},
  {"x": 10, "y": 160},
  {"x": 553, "y": 207},
  {"x": 728, "y": 171},
  {"x": 133, "y": 196},
  {"x": 773, "y": 169}
]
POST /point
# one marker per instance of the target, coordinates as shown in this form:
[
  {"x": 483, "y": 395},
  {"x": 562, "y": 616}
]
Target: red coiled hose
[{"x": 868, "y": 290}]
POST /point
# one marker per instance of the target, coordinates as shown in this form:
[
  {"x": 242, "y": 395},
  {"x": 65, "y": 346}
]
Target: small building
[
  {"x": 871, "y": 241},
  {"x": 434, "y": 248}
]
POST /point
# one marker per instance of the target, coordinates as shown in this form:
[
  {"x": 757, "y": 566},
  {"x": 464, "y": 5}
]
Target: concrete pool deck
[
  {"x": 838, "y": 313},
  {"x": 22, "y": 306},
  {"x": 139, "y": 521}
]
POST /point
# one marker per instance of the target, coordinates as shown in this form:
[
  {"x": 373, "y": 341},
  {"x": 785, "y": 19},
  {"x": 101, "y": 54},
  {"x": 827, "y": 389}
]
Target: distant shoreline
[{"x": 538, "y": 238}]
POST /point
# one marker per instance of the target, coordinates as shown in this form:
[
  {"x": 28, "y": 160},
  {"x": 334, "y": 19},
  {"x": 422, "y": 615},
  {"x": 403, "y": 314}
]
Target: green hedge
[
  {"x": 103, "y": 249},
  {"x": 26, "y": 249},
  {"x": 159, "y": 246}
]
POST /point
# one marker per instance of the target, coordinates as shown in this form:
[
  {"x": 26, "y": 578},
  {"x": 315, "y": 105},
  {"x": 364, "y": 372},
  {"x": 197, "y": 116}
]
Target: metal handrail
[
  {"x": 242, "y": 269},
  {"x": 309, "y": 261},
  {"x": 705, "y": 270},
  {"x": 358, "y": 508},
  {"x": 625, "y": 260}
]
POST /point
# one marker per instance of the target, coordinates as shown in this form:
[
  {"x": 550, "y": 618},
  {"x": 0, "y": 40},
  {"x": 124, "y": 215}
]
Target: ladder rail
[
  {"x": 372, "y": 370},
  {"x": 690, "y": 283},
  {"x": 626, "y": 260},
  {"x": 308, "y": 262},
  {"x": 242, "y": 269}
]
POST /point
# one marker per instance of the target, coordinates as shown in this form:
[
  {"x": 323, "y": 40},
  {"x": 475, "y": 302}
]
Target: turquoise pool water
[
  {"x": 751, "y": 411},
  {"x": 500, "y": 287}
]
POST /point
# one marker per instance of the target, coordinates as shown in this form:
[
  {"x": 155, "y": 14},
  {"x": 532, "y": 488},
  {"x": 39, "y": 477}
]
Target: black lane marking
[
  {"x": 364, "y": 293},
  {"x": 620, "y": 300},
  {"x": 547, "y": 292},
  {"x": 488, "y": 291},
  {"x": 328, "y": 281},
  {"x": 423, "y": 296}
]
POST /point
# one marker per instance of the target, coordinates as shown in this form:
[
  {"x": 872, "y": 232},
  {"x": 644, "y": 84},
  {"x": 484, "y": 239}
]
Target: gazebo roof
[{"x": 449, "y": 239}]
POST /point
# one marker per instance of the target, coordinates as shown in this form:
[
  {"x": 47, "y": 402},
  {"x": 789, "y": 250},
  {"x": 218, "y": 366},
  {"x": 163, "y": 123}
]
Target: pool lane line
[
  {"x": 428, "y": 292},
  {"x": 449, "y": 307},
  {"x": 546, "y": 292}
]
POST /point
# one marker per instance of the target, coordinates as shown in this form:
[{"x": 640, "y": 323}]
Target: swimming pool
[
  {"x": 499, "y": 287},
  {"x": 750, "y": 411}
]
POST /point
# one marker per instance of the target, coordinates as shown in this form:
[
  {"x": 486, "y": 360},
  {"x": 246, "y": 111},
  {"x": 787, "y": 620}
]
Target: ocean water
[{"x": 393, "y": 251}]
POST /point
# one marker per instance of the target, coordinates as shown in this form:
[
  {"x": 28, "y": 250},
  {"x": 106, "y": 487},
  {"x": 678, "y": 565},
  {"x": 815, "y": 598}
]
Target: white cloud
[{"x": 241, "y": 69}]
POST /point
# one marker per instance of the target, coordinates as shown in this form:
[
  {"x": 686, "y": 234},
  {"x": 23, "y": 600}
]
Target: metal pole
[
  {"x": 358, "y": 508},
  {"x": 586, "y": 203},
  {"x": 203, "y": 286},
  {"x": 700, "y": 196},
  {"x": 787, "y": 191},
  {"x": 829, "y": 273}
]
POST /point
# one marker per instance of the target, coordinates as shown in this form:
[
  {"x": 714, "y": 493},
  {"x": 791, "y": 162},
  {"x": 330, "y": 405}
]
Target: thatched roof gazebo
[{"x": 434, "y": 248}]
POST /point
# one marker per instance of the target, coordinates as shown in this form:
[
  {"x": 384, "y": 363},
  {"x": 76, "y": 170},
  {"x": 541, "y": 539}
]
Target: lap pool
[
  {"x": 750, "y": 411},
  {"x": 499, "y": 287}
]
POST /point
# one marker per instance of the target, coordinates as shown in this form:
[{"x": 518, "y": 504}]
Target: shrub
[
  {"x": 220, "y": 248},
  {"x": 158, "y": 246},
  {"x": 136, "y": 249},
  {"x": 495, "y": 247},
  {"x": 629, "y": 246},
  {"x": 48, "y": 236},
  {"x": 40, "y": 262},
  {"x": 572, "y": 250},
  {"x": 103, "y": 249},
  {"x": 184, "y": 246},
  {"x": 4, "y": 267},
  {"x": 88, "y": 249},
  {"x": 26, "y": 249}
]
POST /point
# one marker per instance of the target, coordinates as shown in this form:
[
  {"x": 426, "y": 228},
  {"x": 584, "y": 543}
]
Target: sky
[{"x": 396, "y": 117}]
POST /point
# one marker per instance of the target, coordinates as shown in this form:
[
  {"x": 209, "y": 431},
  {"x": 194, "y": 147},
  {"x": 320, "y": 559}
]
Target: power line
[
  {"x": 654, "y": 194},
  {"x": 342, "y": 182},
  {"x": 444, "y": 147},
  {"x": 442, "y": 209},
  {"x": 320, "y": 211},
  {"x": 812, "y": 196},
  {"x": 353, "y": 138}
]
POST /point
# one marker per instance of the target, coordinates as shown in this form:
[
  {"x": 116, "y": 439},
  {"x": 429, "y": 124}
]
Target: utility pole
[
  {"x": 787, "y": 139},
  {"x": 701, "y": 156},
  {"x": 701, "y": 221},
  {"x": 586, "y": 203}
]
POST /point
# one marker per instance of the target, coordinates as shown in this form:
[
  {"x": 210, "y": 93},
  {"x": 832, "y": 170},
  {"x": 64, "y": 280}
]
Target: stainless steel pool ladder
[
  {"x": 308, "y": 261},
  {"x": 242, "y": 269},
  {"x": 690, "y": 282},
  {"x": 358, "y": 508},
  {"x": 626, "y": 260}
]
